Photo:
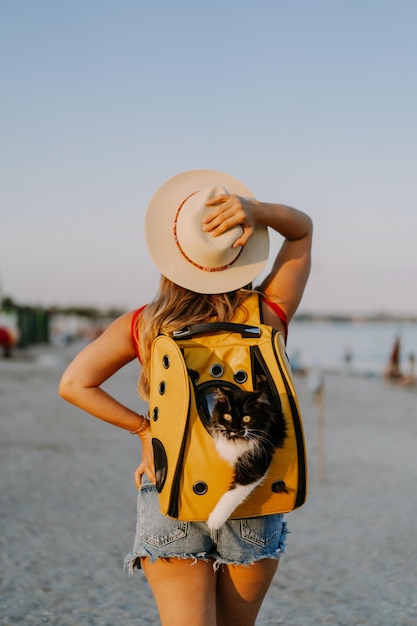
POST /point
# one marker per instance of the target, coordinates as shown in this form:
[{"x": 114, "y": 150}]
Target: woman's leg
[
  {"x": 184, "y": 591},
  {"x": 241, "y": 590}
]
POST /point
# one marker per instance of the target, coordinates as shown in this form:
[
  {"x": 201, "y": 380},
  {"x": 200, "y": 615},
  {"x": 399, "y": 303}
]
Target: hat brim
[{"x": 159, "y": 234}]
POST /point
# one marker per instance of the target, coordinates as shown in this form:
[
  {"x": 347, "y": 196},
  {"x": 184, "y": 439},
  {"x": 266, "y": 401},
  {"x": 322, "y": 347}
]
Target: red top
[
  {"x": 272, "y": 305},
  {"x": 278, "y": 311}
]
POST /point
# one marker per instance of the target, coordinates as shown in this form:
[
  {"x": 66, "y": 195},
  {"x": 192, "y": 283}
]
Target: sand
[{"x": 68, "y": 499}]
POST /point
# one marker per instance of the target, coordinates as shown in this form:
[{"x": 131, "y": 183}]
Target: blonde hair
[{"x": 174, "y": 308}]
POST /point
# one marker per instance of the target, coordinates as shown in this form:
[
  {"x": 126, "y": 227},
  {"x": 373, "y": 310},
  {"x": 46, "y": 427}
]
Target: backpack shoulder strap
[{"x": 251, "y": 311}]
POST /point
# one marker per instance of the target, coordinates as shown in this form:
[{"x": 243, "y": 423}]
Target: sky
[{"x": 311, "y": 103}]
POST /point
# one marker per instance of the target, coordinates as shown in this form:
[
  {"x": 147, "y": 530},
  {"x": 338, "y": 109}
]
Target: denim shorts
[{"x": 238, "y": 542}]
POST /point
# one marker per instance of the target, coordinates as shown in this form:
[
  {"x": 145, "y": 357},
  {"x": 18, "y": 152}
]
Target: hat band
[{"x": 186, "y": 257}]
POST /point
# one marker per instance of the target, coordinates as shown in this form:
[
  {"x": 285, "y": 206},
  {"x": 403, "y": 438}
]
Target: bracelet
[{"x": 143, "y": 425}]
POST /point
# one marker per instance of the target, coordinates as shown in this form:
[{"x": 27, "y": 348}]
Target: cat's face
[{"x": 237, "y": 413}]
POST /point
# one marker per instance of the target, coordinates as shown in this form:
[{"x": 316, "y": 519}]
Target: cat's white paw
[{"x": 216, "y": 519}]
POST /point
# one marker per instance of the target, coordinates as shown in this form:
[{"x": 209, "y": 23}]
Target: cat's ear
[
  {"x": 218, "y": 394},
  {"x": 263, "y": 397}
]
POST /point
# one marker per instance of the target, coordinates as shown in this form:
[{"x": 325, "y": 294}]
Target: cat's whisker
[{"x": 258, "y": 436}]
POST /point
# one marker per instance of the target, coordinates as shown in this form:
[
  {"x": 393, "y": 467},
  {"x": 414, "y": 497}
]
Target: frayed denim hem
[
  {"x": 132, "y": 561},
  {"x": 281, "y": 549},
  {"x": 218, "y": 563}
]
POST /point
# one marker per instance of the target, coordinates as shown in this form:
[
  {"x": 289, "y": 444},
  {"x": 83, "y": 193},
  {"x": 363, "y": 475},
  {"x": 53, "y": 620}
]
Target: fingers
[
  {"x": 243, "y": 240},
  {"x": 138, "y": 477},
  {"x": 227, "y": 212},
  {"x": 140, "y": 471},
  {"x": 221, "y": 223},
  {"x": 222, "y": 208},
  {"x": 220, "y": 199}
]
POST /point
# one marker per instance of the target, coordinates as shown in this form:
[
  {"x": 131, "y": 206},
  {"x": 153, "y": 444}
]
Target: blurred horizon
[{"x": 302, "y": 315}]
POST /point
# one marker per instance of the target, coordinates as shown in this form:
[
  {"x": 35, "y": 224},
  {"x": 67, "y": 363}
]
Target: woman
[{"x": 208, "y": 236}]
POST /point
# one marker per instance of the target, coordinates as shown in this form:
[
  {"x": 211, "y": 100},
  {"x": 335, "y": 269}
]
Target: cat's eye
[
  {"x": 227, "y": 417},
  {"x": 246, "y": 419}
]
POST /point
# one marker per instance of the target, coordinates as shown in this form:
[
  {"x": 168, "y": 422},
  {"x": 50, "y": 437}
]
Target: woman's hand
[
  {"x": 229, "y": 211},
  {"x": 147, "y": 465},
  {"x": 286, "y": 281}
]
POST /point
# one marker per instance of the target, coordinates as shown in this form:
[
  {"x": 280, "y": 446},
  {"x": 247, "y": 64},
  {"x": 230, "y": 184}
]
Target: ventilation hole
[
  {"x": 200, "y": 488},
  {"x": 216, "y": 370},
  {"x": 240, "y": 376},
  {"x": 165, "y": 361},
  {"x": 279, "y": 486},
  {"x": 155, "y": 414},
  {"x": 162, "y": 387}
]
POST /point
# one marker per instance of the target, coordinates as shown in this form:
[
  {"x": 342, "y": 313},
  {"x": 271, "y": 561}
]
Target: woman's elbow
[
  {"x": 309, "y": 227},
  {"x": 67, "y": 388}
]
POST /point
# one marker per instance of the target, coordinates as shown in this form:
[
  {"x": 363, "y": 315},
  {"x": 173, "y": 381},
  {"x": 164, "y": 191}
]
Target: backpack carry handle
[{"x": 244, "y": 330}]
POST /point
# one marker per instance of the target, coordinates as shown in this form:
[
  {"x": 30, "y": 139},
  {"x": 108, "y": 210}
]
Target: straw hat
[{"x": 184, "y": 252}]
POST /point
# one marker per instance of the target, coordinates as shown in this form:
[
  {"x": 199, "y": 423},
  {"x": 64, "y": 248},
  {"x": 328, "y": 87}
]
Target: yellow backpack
[{"x": 245, "y": 354}]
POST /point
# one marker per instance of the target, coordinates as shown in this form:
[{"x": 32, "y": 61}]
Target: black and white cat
[{"x": 246, "y": 432}]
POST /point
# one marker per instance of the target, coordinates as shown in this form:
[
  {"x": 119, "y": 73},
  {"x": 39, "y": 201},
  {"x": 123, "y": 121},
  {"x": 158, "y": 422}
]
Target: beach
[{"x": 68, "y": 506}]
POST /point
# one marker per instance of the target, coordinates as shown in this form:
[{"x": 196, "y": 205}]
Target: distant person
[
  {"x": 410, "y": 379},
  {"x": 393, "y": 367},
  {"x": 192, "y": 583},
  {"x": 348, "y": 357},
  {"x": 8, "y": 340}
]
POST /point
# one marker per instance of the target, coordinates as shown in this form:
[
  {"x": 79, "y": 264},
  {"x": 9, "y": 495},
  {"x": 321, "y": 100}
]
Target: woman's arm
[
  {"x": 288, "y": 277},
  {"x": 286, "y": 282},
  {"x": 82, "y": 380}
]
